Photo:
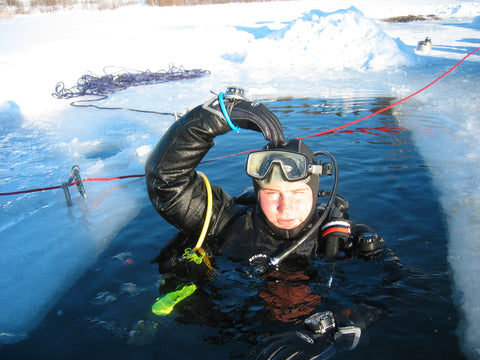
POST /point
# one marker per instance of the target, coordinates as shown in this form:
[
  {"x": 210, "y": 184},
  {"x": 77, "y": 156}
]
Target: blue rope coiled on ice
[{"x": 102, "y": 86}]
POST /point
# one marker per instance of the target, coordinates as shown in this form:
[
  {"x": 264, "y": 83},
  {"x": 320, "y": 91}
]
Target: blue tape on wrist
[{"x": 225, "y": 113}]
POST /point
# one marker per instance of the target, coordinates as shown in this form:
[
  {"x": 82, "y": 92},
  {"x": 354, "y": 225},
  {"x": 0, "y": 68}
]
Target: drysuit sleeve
[
  {"x": 175, "y": 189},
  {"x": 177, "y": 192}
]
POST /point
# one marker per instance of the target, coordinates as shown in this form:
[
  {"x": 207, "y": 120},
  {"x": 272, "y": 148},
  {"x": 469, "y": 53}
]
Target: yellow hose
[
  {"x": 165, "y": 305},
  {"x": 208, "y": 215}
]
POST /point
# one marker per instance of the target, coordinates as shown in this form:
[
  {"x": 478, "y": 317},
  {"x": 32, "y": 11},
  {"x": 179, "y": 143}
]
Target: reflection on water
[{"x": 389, "y": 188}]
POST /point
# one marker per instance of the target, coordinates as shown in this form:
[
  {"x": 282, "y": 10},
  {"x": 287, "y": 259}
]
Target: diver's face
[{"x": 286, "y": 204}]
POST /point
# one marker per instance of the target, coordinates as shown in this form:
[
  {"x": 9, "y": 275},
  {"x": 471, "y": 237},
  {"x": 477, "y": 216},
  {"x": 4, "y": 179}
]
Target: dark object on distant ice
[
  {"x": 425, "y": 46},
  {"x": 410, "y": 18},
  {"x": 90, "y": 84},
  {"x": 101, "y": 86}
]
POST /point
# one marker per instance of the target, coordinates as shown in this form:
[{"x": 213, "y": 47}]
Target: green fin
[{"x": 164, "y": 306}]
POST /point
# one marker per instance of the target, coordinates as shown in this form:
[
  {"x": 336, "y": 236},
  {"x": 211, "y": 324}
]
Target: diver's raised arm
[{"x": 175, "y": 189}]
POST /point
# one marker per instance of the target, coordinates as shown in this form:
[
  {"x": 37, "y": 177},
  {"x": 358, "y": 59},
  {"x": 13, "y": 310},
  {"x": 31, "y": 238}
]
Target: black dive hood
[{"x": 313, "y": 182}]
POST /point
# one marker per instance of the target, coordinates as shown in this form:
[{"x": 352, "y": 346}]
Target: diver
[{"x": 279, "y": 219}]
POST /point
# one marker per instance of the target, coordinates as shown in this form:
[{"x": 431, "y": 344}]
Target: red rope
[
  {"x": 395, "y": 104},
  {"x": 73, "y": 183},
  {"x": 111, "y": 179},
  {"x": 31, "y": 191},
  {"x": 365, "y": 117},
  {"x": 248, "y": 151}
]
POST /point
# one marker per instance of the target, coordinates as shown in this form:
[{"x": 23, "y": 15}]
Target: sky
[{"x": 300, "y": 49}]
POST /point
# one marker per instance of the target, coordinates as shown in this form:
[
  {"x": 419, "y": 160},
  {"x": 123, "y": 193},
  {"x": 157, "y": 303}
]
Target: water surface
[{"x": 107, "y": 313}]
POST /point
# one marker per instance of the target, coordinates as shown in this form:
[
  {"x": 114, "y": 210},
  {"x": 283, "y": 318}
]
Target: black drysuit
[{"x": 238, "y": 228}]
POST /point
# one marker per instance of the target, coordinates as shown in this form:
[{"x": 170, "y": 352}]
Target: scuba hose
[
  {"x": 208, "y": 214},
  {"x": 191, "y": 254},
  {"x": 164, "y": 305}
]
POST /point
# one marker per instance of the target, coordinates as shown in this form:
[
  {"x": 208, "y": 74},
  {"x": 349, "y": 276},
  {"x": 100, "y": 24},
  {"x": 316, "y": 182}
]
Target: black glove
[
  {"x": 299, "y": 345},
  {"x": 315, "y": 341},
  {"x": 367, "y": 243},
  {"x": 250, "y": 115},
  {"x": 322, "y": 337}
]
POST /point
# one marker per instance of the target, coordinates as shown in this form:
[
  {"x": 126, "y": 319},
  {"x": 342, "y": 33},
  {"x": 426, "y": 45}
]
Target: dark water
[{"x": 107, "y": 313}]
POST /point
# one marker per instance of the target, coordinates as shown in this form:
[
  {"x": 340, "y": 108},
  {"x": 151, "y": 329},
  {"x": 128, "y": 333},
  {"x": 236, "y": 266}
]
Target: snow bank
[
  {"x": 344, "y": 39},
  {"x": 476, "y": 23}
]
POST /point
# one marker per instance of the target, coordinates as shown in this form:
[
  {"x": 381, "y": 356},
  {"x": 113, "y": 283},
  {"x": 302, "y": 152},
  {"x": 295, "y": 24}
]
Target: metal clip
[
  {"x": 74, "y": 177},
  {"x": 235, "y": 92}
]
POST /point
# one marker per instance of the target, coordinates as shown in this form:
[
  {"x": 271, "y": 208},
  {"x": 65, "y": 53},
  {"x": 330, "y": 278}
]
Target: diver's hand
[
  {"x": 257, "y": 117},
  {"x": 250, "y": 115},
  {"x": 314, "y": 341},
  {"x": 369, "y": 245},
  {"x": 322, "y": 337},
  {"x": 299, "y": 345}
]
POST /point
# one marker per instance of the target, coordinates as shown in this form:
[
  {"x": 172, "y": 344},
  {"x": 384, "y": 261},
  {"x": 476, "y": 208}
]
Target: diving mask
[{"x": 294, "y": 166}]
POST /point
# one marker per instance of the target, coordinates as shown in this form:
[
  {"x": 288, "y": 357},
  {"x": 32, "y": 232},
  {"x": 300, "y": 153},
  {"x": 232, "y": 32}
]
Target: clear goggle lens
[{"x": 294, "y": 166}]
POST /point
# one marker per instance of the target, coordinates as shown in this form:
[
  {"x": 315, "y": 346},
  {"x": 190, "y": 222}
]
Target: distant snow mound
[
  {"x": 344, "y": 39},
  {"x": 476, "y": 23}
]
